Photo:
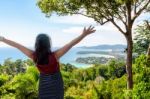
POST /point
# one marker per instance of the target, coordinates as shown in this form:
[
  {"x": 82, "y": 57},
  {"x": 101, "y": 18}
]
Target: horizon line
[{"x": 72, "y": 47}]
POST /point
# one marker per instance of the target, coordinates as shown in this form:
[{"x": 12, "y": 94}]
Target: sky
[{"x": 22, "y": 21}]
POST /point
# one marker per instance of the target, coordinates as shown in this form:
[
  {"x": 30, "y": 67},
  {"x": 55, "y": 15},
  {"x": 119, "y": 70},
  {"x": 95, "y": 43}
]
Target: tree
[
  {"x": 103, "y": 11},
  {"x": 142, "y": 38}
]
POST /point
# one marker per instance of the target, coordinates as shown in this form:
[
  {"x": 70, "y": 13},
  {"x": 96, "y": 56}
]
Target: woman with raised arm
[{"x": 51, "y": 82}]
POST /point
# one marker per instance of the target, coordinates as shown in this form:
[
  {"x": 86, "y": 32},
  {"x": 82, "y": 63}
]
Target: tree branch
[
  {"x": 124, "y": 13},
  {"x": 139, "y": 3},
  {"x": 102, "y": 22},
  {"x": 113, "y": 22},
  {"x": 148, "y": 25},
  {"x": 140, "y": 11},
  {"x": 82, "y": 14},
  {"x": 121, "y": 19},
  {"x": 135, "y": 8}
]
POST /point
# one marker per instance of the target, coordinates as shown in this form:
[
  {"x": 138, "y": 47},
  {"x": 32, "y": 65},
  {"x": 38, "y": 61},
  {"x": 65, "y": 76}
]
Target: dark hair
[{"x": 42, "y": 49}]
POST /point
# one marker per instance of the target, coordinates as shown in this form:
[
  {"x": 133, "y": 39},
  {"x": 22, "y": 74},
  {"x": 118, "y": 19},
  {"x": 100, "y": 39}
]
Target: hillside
[
  {"x": 19, "y": 80},
  {"x": 105, "y": 47}
]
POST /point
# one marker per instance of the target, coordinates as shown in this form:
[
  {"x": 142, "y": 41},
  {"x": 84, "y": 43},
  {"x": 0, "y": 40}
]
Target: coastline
[{"x": 69, "y": 58}]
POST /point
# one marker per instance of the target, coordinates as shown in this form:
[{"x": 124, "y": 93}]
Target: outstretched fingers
[
  {"x": 91, "y": 29},
  {"x": 1, "y": 38}
]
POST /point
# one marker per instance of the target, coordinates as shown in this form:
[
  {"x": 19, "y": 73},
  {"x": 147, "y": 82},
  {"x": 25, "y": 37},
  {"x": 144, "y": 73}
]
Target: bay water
[{"x": 69, "y": 57}]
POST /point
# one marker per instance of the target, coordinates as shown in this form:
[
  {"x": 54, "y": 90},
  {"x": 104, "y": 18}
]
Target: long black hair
[{"x": 42, "y": 49}]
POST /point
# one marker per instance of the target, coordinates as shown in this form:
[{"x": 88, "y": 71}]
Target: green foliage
[
  {"x": 93, "y": 8},
  {"x": 29, "y": 62},
  {"x": 141, "y": 63},
  {"x": 18, "y": 81},
  {"x": 141, "y": 39},
  {"x": 141, "y": 68},
  {"x": 3, "y": 79},
  {"x": 32, "y": 70},
  {"x": 112, "y": 89},
  {"x": 102, "y": 70},
  {"x": 101, "y": 11},
  {"x": 25, "y": 86},
  {"x": 67, "y": 67},
  {"x": 116, "y": 68},
  {"x": 8, "y": 62},
  {"x": 13, "y": 68},
  {"x": 97, "y": 82}
]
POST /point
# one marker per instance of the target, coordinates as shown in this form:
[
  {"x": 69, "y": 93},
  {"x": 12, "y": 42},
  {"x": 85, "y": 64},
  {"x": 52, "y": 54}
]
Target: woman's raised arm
[
  {"x": 60, "y": 52},
  {"x": 23, "y": 49}
]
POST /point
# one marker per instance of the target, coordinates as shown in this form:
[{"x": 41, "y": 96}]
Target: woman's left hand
[{"x": 88, "y": 31}]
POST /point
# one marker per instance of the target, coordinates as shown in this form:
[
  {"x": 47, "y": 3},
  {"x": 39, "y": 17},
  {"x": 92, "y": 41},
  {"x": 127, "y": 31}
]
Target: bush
[{"x": 141, "y": 70}]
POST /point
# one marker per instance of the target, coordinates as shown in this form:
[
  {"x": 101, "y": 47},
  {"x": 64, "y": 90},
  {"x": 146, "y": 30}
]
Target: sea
[{"x": 69, "y": 57}]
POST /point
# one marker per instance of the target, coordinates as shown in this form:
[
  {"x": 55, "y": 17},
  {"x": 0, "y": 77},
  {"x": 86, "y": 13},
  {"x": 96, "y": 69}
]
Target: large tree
[{"x": 103, "y": 11}]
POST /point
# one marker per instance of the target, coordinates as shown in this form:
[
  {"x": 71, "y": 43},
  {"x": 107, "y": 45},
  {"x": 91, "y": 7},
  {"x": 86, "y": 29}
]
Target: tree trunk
[
  {"x": 128, "y": 36},
  {"x": 148, "y": 52},
  {"x": 148, "y": 27},
  {"x": 129, "y": 61}
]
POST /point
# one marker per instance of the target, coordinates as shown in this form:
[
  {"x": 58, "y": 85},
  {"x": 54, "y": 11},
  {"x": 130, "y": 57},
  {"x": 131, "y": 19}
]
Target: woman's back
[
  {"x": 50, "y": 68},
  {"x": 51, "y": 82}
]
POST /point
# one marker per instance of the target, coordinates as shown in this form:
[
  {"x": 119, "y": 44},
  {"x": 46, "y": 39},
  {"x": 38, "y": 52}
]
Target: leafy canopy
[{"x": 100, "y": 10}]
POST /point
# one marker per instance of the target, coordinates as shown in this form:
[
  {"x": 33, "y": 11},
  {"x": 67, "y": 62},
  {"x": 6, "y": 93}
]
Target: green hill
[{"x": 19, "y": 80}]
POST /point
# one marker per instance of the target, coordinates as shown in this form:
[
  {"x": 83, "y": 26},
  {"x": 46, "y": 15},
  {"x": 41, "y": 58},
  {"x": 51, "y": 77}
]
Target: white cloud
[
  {"x": 74, "y": 19},
  {"x": 26, "y": 33},
  {"x": 65, "y": 29},
  {"x": 107, "y": 34},
  {"x": 99, "y": 28},
  {"x": 75, "y": 30}
]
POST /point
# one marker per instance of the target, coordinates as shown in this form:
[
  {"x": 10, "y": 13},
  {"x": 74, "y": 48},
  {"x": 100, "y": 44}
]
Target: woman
[{"x": 50, "y": 83}]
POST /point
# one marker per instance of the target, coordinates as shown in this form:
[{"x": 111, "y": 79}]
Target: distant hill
[{"x": 105, "y": 47}]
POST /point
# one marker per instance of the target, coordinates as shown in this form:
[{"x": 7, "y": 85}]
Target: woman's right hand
[{"x": 1, "y": 38}]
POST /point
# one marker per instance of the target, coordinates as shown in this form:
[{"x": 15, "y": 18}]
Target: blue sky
[{"x": 22, "y": 21}]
